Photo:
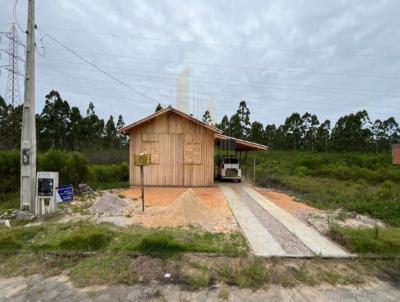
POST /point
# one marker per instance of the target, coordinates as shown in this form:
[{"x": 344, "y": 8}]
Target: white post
[{"x": 28, "y": 135}]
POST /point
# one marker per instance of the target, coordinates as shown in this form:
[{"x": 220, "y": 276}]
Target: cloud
[{"x": 325, "y": 57}]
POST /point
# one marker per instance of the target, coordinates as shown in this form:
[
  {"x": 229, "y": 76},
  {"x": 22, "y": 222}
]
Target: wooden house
[{"x": 181, "y": 148}]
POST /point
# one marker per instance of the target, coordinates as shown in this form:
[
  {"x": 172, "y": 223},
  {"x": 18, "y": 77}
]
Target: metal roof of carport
[{"x": 241, "y": 145}]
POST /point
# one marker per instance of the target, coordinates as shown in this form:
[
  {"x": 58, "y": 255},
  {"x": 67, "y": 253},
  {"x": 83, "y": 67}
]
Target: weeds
[
  {"x": 223, "y": 293},
  {"x": 253, "y": 274},
  {"x": 368, "y": 240},
  {"x": 92, "y": 241},
  {"x": 364, "y": 183},
  {"x": 199, "y": 280},
  {"x": 103, "y": 269},
  {"x": 304, "y": 276}
]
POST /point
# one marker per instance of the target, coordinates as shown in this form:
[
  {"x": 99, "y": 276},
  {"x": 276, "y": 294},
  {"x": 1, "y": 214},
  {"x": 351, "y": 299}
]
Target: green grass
[
  {"x": 252, "y": 275},
  {"x": 384, "y": 241},
  {"x": 16, "y": 238},
  {"x": 9, "y": 201},
  {"x": 167, "y": 242},
  {"x": 160, "y": 244},
  {"x": 385, "y": 269},
  {"x": 304, "y": 276},
  {"x": 199, "y": 280},
  {"x": 85, "y": 237},
  {"x": 365, "y": 183},
  {"x": 103, "y": 269}
]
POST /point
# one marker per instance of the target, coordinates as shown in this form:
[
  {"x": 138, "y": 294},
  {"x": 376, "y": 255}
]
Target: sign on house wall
[{"x": 142, "y": 159}]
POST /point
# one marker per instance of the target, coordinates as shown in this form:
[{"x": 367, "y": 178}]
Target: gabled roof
[{"x": 127, "y": 128}]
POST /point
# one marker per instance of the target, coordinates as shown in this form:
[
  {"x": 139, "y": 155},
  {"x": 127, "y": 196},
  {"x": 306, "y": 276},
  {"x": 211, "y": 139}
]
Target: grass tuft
[
  {"x": 160, "y": 244},
  {"x": 93, "y": 241},
  {"x": 368, "y": 240}
]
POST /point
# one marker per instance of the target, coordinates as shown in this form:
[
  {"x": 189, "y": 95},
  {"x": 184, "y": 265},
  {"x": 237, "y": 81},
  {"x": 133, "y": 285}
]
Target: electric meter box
[
  {"x": 45, "y": 187},
  {"x": 46, "y": 190}
]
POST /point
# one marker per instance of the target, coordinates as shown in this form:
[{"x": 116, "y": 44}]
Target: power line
[
  {"x": 237, "y": 66},
  {"x": 98, "y": 68},
  {"x": 216, "y": 80},
  {"x": 210, "y": 94},
  {"x": 264, "y": 49},
  {"x": 295, "y": 107},
  {"x": 275, "y": 87}
]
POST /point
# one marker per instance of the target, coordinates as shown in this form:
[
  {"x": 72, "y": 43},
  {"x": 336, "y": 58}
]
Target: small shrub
[
  {"x": 199, "y": 280},
  {"x": 227, "y": 274},
  {"x": 9, "y": 172},
  {"x": 86, "y": 238},
  {"x": 254, "y": 275},
  {"x": 109, "y": 173},
  {"x": 72, "y": 166},
  {"x": 386, "y": 190}
]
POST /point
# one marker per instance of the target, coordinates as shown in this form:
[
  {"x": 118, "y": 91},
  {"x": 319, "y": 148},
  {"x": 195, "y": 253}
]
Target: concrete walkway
[
  {"x": 270, "y": 230},
  {"x": 260, "y": 240},
  {"x": 310, "y": 237}
]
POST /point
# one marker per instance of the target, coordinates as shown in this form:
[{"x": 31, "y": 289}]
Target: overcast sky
[{"x": 325, "y": 57}]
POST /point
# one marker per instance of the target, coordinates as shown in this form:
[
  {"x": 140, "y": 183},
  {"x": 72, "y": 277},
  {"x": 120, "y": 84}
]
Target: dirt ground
[
  {"x": 319, "y": 219},
  {"x": 212, "y": 197},
  {"x": 288, "y": 203},
  {"x": 176, "y": 207}
]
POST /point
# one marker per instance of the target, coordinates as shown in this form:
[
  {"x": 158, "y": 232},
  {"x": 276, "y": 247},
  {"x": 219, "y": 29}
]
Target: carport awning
[{"x": 239, "y": 144}]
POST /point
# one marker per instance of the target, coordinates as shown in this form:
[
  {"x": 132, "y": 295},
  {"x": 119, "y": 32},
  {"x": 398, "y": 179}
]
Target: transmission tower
[{"x": 12, "y": 94}]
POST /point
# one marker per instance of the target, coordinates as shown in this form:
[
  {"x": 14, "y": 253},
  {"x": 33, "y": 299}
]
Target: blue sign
[{"x": 66, "y": 193}]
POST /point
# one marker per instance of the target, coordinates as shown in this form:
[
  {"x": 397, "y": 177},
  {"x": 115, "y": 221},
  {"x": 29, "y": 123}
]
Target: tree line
[
  {"x": 61, "y": 126},
  {"x": 64, "y": 127},
  {"x": 354, "y": 132}
]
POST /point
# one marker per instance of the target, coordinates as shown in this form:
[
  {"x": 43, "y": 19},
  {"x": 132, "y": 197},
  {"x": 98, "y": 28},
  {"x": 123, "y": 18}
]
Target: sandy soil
[
  {"x": 164, "y": 207},
  {"x": 154, "y": 197},
  {"x": 288, "y": 203},
  {"x": 319, "y": 219}
]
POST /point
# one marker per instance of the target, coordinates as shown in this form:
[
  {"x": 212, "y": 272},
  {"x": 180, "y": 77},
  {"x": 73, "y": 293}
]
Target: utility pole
[{"x": 28, "y": 136}]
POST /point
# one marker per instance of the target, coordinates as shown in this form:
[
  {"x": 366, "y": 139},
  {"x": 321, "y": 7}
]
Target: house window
[{"x": 192, "y": 149}]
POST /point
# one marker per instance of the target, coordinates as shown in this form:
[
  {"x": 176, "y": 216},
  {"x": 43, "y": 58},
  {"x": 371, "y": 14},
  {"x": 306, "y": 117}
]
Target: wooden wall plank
[{"x": 182, "y": 152}]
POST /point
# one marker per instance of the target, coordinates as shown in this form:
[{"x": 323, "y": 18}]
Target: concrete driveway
[{"x": 271, "y": 231}]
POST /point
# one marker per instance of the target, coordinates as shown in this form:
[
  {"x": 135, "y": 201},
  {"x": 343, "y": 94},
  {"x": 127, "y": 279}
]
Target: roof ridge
[{"x": 165, "y": 110}]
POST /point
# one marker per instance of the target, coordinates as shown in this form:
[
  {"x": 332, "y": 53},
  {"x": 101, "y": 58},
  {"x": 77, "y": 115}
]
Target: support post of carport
[
  {"x": 254, "y": 167},
  {"x": 245, "y": 165}
]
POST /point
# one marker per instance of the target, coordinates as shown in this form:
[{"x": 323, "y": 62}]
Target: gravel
[
  {"x": 292, "y": 245},
  {"x": 111, "y": 205},
  {"x": 17, "y": 215}
]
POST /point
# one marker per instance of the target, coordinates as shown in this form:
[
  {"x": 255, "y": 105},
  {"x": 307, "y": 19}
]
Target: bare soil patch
[
  {"x": 319, "y": 219},
  {"x": 182, "y": 207},
  {"x": 288, "y": 203}
]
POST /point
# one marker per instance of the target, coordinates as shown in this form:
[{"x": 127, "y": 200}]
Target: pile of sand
[{"x": 186, "y": 210}]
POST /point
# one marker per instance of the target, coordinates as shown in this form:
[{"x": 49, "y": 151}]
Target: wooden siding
[{"x": 182, "y": 152}]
